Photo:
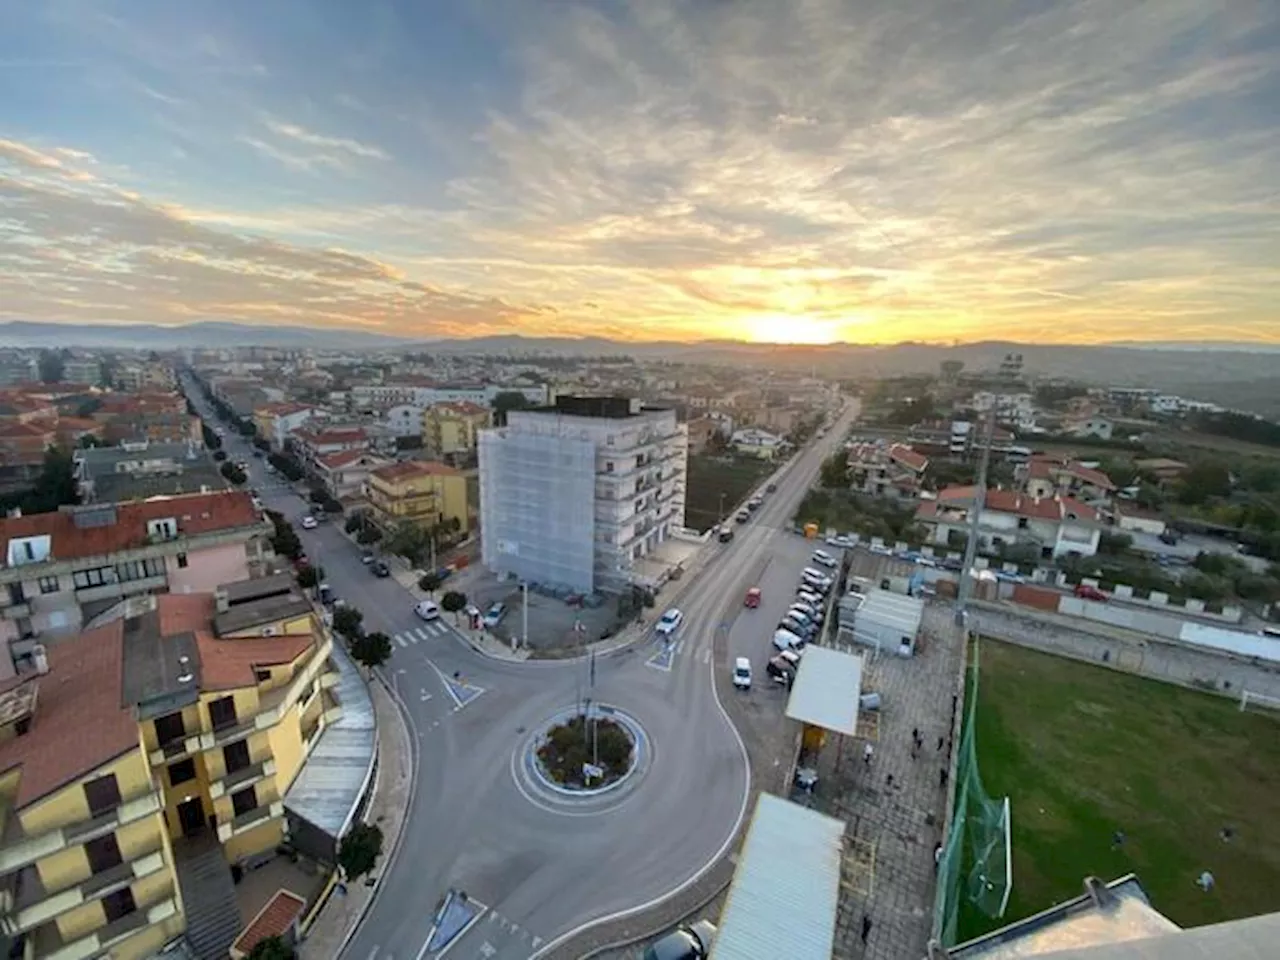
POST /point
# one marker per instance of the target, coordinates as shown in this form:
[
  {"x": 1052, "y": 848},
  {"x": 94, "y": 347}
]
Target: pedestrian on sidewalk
[
  {"x": 941, "y": 741},
  {"x": 867, "y": 751},
  {"x": 866, "y": 928},
  {"x": 942, "y": 778},
  {"x": 915, "y": 734}
]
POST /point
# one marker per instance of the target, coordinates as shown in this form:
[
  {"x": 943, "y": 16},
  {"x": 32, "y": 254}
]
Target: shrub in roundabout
[{"x": 572, "y": 745}]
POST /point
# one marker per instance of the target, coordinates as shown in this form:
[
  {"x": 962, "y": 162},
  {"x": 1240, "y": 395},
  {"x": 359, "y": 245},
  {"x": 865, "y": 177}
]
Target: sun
[{"x": 789, "y": 328}]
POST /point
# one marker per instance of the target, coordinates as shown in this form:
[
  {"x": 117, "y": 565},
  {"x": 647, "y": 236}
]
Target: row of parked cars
[{"x": 800, "y": 625}]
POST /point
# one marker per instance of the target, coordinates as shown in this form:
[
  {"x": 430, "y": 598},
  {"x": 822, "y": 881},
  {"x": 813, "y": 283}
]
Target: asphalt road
[{"x": 543, "y": 867}]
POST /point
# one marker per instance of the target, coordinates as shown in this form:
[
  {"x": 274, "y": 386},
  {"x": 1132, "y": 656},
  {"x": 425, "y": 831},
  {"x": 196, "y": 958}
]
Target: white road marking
[
  {"x": 401, "y": 641},
  {"x": 373, "y": 953},
  {"x": 706, "y": 654},
  {"x": 422, "y": 634}
]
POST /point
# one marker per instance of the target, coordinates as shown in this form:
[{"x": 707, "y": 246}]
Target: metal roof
[
  {"x": 328, "y": 791},
  {"x": 782, "y": 902},
  {"x": 825, "y": 694}
]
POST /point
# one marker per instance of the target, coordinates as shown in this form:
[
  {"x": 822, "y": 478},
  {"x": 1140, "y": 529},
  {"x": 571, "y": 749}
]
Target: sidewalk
[{"x": 339, "y": 917}]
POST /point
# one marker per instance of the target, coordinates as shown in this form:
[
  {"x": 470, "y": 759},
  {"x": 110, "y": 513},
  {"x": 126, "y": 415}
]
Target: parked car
[
  {"x": 428, "y": 610},
  {"x": 780, "y": 671},
  {"x": 753, "y": 598},
  {"x": 366, "y": 557},
  {"x": 726, "y": 534},
  {"x": 786, "y": 640},
  {"x": 772, "y": 488},
  {"x": 743, "y": 515},
  {"x": 309, "y": 522},
  {"x": 824, "y": 558},
  {"x": 669, "y": 623},
  {"x": 379, "y": 569},
  {"x": 493, "y": 616},
  {"x": 742, "y": 673},
  {"x": 686, "y": 943},
  {"x": 1086, "y": 592},
  {"x": 754, "y": 504}
]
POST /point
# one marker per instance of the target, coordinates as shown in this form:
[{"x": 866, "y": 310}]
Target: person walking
[
  {"x": 866, "y": 928},
  {"x": 867, "y": 751}
]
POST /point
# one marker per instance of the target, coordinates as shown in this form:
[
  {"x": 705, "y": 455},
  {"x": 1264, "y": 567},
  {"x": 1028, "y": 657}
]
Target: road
[{"x": 543, "y": 866}]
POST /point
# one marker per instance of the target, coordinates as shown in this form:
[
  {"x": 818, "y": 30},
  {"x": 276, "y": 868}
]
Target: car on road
[
  {"x": 771, "y": 488},
  {"x": 493, "y": 616},
  {"x": 742, "y": 673},
  {"x": 725, "y": 534},
  {"x": 686, "y": 943},
  {"x": 379, "y": 569},
  {"x": 755, "y": 503},
  {"x": 309, "y": 522},
  {"x": 428, "y": 610},
  {"x": 366, "y": 557},
  {"x": 257, "y": 454},
  {"x": 1086, "y": 592},
  {"x": 669, "y": 623},
  {"x": 752, "y": 599}
]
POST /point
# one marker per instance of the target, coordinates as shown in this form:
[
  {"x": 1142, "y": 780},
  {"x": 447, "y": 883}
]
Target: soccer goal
[{"x": 1258, "y": 701}]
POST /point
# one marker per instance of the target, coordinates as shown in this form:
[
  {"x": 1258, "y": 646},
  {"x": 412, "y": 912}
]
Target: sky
[{"x": 800, "y": 171}]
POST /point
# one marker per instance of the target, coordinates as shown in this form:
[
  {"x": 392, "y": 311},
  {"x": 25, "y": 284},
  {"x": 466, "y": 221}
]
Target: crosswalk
[{"x": 426, "y": 632}]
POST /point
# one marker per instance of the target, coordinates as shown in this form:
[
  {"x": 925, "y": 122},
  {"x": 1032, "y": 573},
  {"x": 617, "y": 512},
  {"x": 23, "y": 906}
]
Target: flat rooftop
[{"x": 160, "y": 674}]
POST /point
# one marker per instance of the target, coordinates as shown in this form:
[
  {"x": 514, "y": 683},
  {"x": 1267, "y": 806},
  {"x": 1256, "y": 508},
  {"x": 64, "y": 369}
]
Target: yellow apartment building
[
  {"x": 450, "y": 429},
  {"x": 167, "y": 734},
  {"x": 421, "y": 493}
]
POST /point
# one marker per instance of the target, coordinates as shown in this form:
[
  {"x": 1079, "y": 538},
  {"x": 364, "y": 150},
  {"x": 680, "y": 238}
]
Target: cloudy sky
[{"x": 803, "y": 170}]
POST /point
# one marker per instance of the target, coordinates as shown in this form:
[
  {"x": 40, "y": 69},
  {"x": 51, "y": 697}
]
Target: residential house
[
  {"x": 1132, "y": 519},
  {"x": 701, "y": 430},
  {"x": 1049, "y": 476},
  {"x": 276, "y": 421},
  {"x": 17, "y": 368},
  {"x": 757, "y": 443},
  {"x": 1162, "y": 468},
  {"x": 420, "y": 493},
  {"x": 140, "y": 471},
  {"x": 23, "y": 445},
  {"x": 1016, "y": 409},
  {"x": 581, "y": 493},
  {"x": 1054, "y": 526},
  {"x": 314, "y": 441},
  {"x": 151, "y": 750},
  {"x": 63, "y": 569},
  {"x": 156, "y": 417},
  {"x": 449, "y": 430},
  {"x": 424, "y": 393},
  {"x": 1091, "y": 426},
  {"x": 151, "y": 375},
  {"x": 345, "y": 474},
  {"x": 894, "y": 471},
  {"x": 404, "y": 419}
]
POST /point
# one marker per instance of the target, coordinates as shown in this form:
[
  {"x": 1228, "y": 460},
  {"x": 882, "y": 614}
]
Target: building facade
[
  {"x": 275, "y": 421},
  {"x": 345, "y": 474},
  {"x": 1050, "y": 526},
  {"x": 450, "y": 430},
  {"x": 420, "y": 493},
  {"x": 538, "y": 474}
]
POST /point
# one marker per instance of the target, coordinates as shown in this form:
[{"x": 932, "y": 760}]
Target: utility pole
[
  {"x": 524, "y": 613},
  {"x": 721, "y": 506}
]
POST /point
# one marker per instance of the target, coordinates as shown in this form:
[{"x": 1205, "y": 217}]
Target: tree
[
  {"x": 369, "y": 535},
  {"x": 262, "y": 443},
  {"x": 505, "y": 402},
  {"x": 355, "y": 521},
  {"x": 219, "y": 455},
  {"x": 55, "y": 486},
  {"x": 359, "y": 851},
  {"x": 453, "y": 602},
  {"x": 834, "y": 474},
  {"x": 211, "y": 439},
  {"x": 371, "y": 649},
  {"x": 332, "y": 505},
  {"x": 271, "y": 948},
  {"x": 347, "y": 622},
  {"x": 429, "y": 582},
  {"x": 52, "y": 363},
  {"x": 233, "y": 473},
  {"x": 1204, "y": 480},
  {"x": 308, "y": 577}
]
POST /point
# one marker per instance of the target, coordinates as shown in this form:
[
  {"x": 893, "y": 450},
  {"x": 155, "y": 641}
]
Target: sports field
[{"x": 1084, "y": 751}]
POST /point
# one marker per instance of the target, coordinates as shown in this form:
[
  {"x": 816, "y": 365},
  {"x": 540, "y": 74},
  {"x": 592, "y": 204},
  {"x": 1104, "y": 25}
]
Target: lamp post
[{"x": 524, "y": 613}]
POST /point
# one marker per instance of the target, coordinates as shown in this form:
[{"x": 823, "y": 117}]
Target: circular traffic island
[{"x": 587, "y": 753}]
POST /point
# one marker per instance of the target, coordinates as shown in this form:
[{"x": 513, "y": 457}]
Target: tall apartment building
[
  {"x": 539, "y": 473},
  {"x": 141, "y": 759},
  {"x": 60, "y": 570}
]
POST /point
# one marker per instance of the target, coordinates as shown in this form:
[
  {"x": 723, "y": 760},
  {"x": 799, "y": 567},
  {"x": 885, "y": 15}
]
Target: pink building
[{"x": 61, "y": 570}]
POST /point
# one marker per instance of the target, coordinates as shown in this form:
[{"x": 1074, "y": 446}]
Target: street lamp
[{"x": 524, "y": 613}]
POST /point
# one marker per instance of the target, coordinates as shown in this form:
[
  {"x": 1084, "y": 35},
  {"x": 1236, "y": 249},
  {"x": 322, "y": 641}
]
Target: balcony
[
  {"x": 16, "y": 611},
  {"x": 249, "y": 820},
  {"x": 49, "y": 945},
  {"x": 34, "y": 905},
  {"x": 232, "y": 782},
  {"x": 20, "y": 850}
]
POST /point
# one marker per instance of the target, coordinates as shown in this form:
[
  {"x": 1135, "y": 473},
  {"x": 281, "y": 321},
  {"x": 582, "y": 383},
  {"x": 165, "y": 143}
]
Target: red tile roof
[
  {"x": 340, "y": 458},
  {"x": 1012, "y": 501},
  {"x": 317, "y": 437},
  {"x": 225, "y": 664},
  {"x": 79, "y": 723},
  {"x": 395, "y": 472},
  {"x": 463, "y": 407},
  {"x": 18, "y": 431},
  {"x": 908, "y": 457},
  {"x": 196, "y": 513},
  {"x": 283, "y": 409},
  {"x": 277, "y": 916},
  {"x": 1044, "y": 467}
]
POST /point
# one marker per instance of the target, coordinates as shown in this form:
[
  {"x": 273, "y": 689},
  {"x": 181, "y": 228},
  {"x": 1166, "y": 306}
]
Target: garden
[{"x": 573, "y": 747}]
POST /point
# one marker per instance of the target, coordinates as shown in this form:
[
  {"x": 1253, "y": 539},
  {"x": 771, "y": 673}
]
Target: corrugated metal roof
[
  {"x": 1231, "y": 641},
  {"x": 328, "y": 790},
  {"x": 825, "y": 694},
  {"x": 782, "y": 902}
]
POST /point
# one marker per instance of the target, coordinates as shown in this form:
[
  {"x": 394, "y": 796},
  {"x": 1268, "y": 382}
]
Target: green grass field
[
  {"x": 1083, "y": 751},
  {"x": 710, "y": 476}
]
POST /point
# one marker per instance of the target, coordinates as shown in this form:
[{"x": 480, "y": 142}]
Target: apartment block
[
  {"x": 275, "y": 421},
  {"x": 310, "y": 443},
  {"x": 139, "y": 471},
  {"x": 61, "y": 570},
  {"x": 425, "y": 393},
  {"x": 421, "y": 493},
  {"x": 539, "y": 473},
  {"x": 894, "y": 471},
  {"x": 167, "y": 736},
  {"x": 450, "y": 430}
]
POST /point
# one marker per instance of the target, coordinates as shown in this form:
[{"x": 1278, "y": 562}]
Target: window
[
  {"x": 222, "y": 713},
  {"x": 608, "y": 466},
  {"x": 236, "y": 755},
  {"x": 244, "y": 800},
  {"x": 118, "y": 905},
  {"x": 166, "y": 529},
  {"x": 181, "y": 772},
  {"x": 170, "y": 729},
  {"x": 182, "y": 561},
  {"x": 139, "y": 569},
  {"x": 97, "y": 577},
  {"x": 103, "y": 853},
  {"x": 262, "y": 676},
  {"x": 49, "y": 585},
  {"x": 102, "y": 795}
]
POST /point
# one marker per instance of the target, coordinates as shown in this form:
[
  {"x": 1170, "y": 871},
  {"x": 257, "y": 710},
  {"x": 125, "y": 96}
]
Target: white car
[
  {"x": 742, "y": 673},
  {"x": 669, "y": 623},
  {"x": 493, "y": 616},
  {"x": 824, "y": 558},
  {"x": 428, "y": 610},
  {"x": 786, "y": 640},
  {"x": 309, "y": 522}
]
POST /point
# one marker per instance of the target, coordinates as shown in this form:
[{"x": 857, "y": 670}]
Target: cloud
[{"x": 344, "y": 144}]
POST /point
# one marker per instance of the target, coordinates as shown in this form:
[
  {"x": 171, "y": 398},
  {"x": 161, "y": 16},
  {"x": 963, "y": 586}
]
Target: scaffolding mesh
[{"x": 974, "y": 873}]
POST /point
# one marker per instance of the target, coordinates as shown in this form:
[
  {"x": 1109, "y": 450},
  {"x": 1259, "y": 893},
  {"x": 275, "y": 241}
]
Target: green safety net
[{"x": 973, "y": 869}]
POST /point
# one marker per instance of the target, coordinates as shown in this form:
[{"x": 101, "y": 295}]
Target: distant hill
[{"x": 147, "y": 336}]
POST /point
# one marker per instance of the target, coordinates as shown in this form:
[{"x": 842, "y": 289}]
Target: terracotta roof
[
  {"x": 282, "y": 409},
  {"x": 1012, "y": 501},
  {"x": 1044, "y": 467},
  {"x": 196, "y": 513},
  {"x": 79, "y": 723},
  {"x": 276, "y": 917},
  {"x": 395, "y": 472},
  {"x": 314, "y": 436},
  {"x": 17, "y": 431},
  {"x": 908, "y": 457},
  {"x": 224, "y": 664},
  {"x": 341, "y": 458}
]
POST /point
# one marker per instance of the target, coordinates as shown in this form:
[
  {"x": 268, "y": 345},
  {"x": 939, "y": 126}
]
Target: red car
[
  {"x": 753, "y": 598},
  {"x": 1086, "y": 592}
]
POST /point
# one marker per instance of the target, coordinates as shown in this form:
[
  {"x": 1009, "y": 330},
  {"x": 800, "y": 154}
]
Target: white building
[
  {"x": 422, "y": 394},
  {"x": 1055, "y": 526},
  {"x": 1016, "y": 409},
  {"x": 404, "y": 420},
  {"x": 759, "y": 443},
  {"x": 539, "y": 473}
]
